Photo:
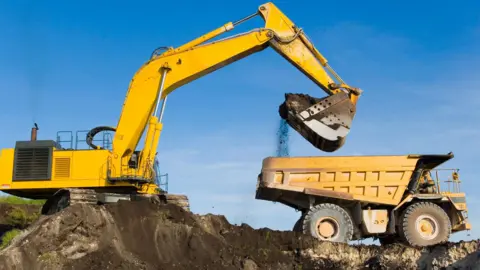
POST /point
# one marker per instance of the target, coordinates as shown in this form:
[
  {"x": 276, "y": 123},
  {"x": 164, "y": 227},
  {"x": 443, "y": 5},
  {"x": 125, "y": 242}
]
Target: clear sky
[{"x": 67, "y": 65}]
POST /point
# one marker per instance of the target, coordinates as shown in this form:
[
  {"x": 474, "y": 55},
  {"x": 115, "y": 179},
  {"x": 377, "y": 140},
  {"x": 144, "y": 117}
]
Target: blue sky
[{"x": 67, "y": 66}]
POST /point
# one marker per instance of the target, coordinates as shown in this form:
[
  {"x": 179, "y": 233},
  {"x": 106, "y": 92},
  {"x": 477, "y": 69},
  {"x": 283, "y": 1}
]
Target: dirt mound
[
  {"x": 143, "y": 235},
  {"x": 6, "y": 208},
  {"x": 12, "y": 214}
]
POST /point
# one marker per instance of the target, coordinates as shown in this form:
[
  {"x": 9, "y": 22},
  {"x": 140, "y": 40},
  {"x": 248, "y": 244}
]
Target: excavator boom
[
  {"x": 49, "y": 169},
  {"x": 325, "y": 122}
]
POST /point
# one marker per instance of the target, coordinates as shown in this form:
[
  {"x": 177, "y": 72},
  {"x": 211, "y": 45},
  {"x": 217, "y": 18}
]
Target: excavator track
[
  {"x": 64, "y": 198},
  {"x": 67, "y": 197},
  {"x": 82, "y": 196},
  {"x": 179, "y": 200}
]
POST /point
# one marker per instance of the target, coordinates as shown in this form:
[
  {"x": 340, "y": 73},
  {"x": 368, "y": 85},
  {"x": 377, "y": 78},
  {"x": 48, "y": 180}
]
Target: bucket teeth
[{"x": 324, "y": 122}]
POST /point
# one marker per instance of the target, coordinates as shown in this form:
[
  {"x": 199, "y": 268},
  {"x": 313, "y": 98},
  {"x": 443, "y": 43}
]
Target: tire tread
[
  {"x": 308, "y": 217},
  {"x": 429, "y": 207}
]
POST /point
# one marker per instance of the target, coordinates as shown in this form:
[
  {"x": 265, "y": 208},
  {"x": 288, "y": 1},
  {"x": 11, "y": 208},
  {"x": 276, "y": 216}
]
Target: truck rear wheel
[
  {"x": 425, "y": 224},
  {"x": 298, "y": 227},
  {"x": 328, "y": 222}
]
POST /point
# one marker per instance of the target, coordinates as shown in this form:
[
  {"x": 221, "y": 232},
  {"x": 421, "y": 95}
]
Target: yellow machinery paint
[
  {"x": 372, "y": 196},
  {"x": 42, "y": 168},
  {"x": 67, "y": 169}
]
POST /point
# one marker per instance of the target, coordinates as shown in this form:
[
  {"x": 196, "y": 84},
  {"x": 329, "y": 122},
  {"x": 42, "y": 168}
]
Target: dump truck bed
[{"x": 373, "y": 179}]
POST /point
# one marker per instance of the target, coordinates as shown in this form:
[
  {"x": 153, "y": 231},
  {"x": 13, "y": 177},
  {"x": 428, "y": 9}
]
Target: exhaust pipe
[{"x": 33, "y": 133}]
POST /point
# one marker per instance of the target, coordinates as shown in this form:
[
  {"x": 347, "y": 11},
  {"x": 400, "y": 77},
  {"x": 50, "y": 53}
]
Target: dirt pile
[
  {"x": 143, "y": 235},
  {"x": 17, "y": 216}
]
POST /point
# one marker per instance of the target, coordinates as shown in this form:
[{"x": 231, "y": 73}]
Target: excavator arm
[{"x": 174, "y": 67}]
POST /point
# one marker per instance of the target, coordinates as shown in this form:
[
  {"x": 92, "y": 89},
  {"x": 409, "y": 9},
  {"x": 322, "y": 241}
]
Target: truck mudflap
[{"x": 324, "y": 122}]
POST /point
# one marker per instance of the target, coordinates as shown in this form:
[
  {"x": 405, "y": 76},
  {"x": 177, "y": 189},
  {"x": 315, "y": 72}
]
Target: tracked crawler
[
  {"x": 64, "y": 198},
  {"x": 67, "y": 197}
]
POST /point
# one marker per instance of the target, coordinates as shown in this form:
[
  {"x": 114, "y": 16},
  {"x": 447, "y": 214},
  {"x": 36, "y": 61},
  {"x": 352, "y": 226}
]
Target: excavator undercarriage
[{"x": 66, "y": 197}]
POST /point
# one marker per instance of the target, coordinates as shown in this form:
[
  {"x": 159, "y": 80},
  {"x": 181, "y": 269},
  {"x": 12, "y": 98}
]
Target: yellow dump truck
[{"x": 392, "y": 198}]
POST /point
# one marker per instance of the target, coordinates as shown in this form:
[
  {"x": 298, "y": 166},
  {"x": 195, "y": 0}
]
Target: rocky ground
[{"x": 143, "y": 235}]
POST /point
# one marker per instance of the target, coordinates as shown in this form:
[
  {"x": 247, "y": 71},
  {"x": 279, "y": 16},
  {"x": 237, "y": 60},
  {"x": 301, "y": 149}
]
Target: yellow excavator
[{"x": 44, "y": 169}]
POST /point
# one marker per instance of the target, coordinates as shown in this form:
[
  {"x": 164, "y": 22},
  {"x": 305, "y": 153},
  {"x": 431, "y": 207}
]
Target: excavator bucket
[{"x": 324, "y": 122}]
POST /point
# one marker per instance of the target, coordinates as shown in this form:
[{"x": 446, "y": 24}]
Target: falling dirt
[
  {"x": 282, "y": 139},
  {"x": 143, "y": 235}
]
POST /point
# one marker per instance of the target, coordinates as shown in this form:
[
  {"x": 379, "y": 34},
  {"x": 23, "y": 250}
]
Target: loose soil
[
  {"x": 297, "y": 103},
  {"x": 144, "y": 235},
  {"x": 283, "y": 149},
  {"x": 6, "y": 209}
]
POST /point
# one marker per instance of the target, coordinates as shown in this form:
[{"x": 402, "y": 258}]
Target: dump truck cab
[{"x": 403, "y": 198}]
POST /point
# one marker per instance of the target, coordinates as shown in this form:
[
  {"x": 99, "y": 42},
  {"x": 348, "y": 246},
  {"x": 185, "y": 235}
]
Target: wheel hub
[
  {"x": 427, "y": 227},
  {"x": 327, "y": 228}
]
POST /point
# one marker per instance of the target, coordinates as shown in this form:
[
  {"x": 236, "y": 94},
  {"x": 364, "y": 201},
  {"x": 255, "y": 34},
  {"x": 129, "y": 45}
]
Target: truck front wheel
[
  {"x": 425, "y": 224},
  {"x": 328, "y": 222}
]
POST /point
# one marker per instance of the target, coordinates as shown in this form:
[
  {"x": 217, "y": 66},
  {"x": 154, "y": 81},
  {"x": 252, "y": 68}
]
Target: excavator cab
[{"x": 324, "y": 122}]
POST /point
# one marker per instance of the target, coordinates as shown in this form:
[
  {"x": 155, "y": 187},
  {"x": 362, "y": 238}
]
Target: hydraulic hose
[{"x": 94, "y": 131}]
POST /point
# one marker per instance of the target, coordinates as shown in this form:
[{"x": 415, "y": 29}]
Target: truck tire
[
  {"x": 298, "y": 227},
  {"x": 328, "y": 222},
  {"x": 425, "y": 224}
]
